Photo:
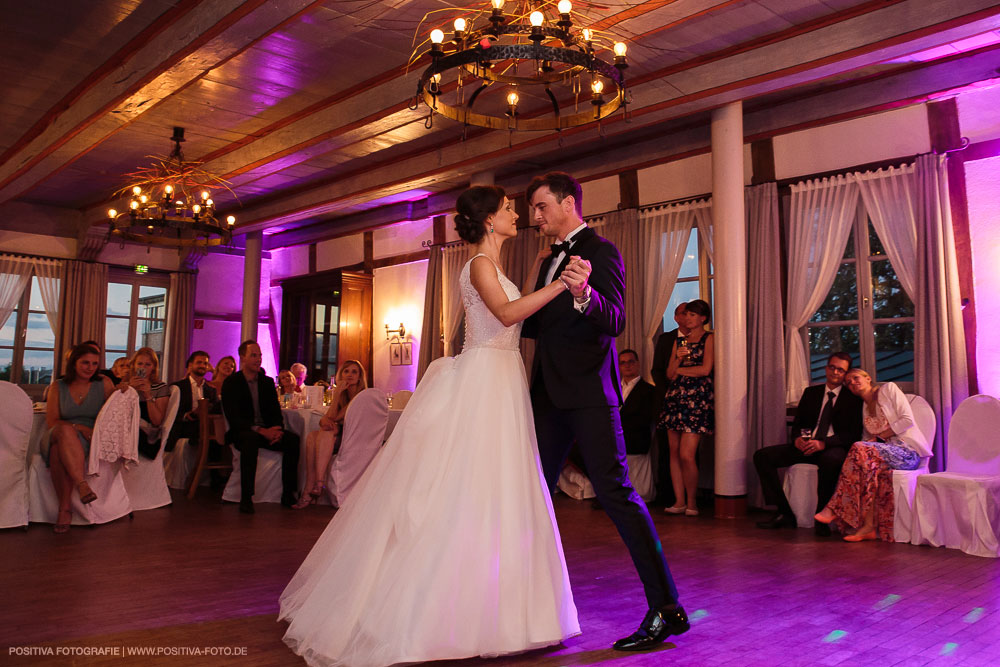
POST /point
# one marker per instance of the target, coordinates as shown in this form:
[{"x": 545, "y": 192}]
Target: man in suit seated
[
  {"x": 661, "y": 357},
  {"x": 827, "y": 423},
  {"x": 190, "y": 390},
  {"x": 250, "y": 402},
  {"x": 638, "y": 412}
]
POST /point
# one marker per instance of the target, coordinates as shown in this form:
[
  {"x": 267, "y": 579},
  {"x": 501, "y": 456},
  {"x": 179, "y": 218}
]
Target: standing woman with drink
[{"x": 689, "y": 406}]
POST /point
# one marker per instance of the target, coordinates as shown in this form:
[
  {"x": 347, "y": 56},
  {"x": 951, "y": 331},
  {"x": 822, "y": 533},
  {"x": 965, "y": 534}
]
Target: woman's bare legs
[
  {"x": 307, "y": 497},
  {"x": 66, "y": 466},
  {"x": 689, "y": 467},
  {"x": 324, "y": 452},
  {"x": 676, "y": 472}
]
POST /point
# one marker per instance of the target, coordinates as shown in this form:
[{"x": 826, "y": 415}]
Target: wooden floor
[{"x": 199, "y": 574}]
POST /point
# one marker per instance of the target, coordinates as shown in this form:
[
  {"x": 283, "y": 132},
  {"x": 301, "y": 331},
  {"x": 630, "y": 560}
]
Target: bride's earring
[{"x": 491, "y": 227}]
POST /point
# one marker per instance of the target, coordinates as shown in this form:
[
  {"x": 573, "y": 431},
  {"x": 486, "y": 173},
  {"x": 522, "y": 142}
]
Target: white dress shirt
[
  {"x": 826, "y": 398},
  {"x": 627, "y": 387},
  {"x": 557, "y": 260}
]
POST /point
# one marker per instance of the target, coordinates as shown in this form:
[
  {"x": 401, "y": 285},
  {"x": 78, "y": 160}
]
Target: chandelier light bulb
[
  {"x": 437, "y": 36},
  {"x": 231, "y": 220},
  {"x": 204, "y": 194},
  {"x": 564, "y": 6},
  {"x": 143, "y": 199},
  {"x": 134, "y": 205},
  {"x": 512, "y": 98},
  {"x": 169, "y": 189},
  {"x": 588, "y": 35},
  {"x": 536, "y": 19},
  {"x": 436, "y": 78},
  {"x": 620, "y": 49},
  {"x": 112, "y": 213},
  {"x": 597, "y": 86},
  {"x": 497, "y": 4},
  {"x": 460, "y": 25},
  {"x": 136, "y": 190},
  {"x": 209, "y": 202},
  {"x": 196, "y": 208}
]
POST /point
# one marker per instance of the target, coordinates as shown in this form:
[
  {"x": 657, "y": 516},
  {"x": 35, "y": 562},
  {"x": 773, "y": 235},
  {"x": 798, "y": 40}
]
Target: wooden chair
[{"x": 205, "y": 433}]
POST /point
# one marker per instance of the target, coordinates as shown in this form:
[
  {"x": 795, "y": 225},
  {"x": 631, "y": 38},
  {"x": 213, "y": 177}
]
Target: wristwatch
[{"x": 585, "y": 297}]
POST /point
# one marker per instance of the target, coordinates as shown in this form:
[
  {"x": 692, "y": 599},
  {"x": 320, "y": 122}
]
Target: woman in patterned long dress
[
  {"x": 864, "y": 501},
  {"x": 447, "y": 547},
  {"x": 689, "y": 406}
]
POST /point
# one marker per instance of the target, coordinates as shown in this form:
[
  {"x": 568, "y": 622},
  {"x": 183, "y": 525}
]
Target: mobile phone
[{"x": 140, "y": 373}]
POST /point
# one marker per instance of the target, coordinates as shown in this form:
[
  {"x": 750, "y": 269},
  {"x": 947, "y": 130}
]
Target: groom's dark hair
[{"x": 560, "y": 184}]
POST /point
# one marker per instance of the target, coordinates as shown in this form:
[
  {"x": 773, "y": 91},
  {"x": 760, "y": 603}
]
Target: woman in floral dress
[
  {"x": 864, "y": 501},
  {"x": 689, "y": 406}
]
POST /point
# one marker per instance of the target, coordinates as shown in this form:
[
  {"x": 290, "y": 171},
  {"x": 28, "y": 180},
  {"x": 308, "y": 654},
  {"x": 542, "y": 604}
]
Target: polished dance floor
[{"x": 198, "y": 583}]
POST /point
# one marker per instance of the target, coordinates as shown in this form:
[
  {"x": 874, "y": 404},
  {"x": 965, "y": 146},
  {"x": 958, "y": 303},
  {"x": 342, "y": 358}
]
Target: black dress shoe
[
  {"x": 821, "y": 529},
  {"x": 779, "y": 520},
  {"x": 246, "y": 506},
  {"x": 656, "y": 627}
]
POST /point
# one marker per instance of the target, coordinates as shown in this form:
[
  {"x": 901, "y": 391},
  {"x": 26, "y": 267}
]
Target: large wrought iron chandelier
[
  {"x": 169, "y": 203},
  {"x": 530, "y": 54}
]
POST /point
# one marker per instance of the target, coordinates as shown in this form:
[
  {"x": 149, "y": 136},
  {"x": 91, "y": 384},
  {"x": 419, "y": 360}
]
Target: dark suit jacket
[
  {"x": 638, "y": 413},
  {"x": 846, "y": 415},
  {"x": 237, "y": 403},
  {"x": 575, "y": 352},
  {"x": 661, "y": 359},
  {"x": 182, "y": 429}
]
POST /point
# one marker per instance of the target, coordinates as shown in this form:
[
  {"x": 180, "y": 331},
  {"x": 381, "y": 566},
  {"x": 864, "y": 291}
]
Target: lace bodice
[
  {"x": 875, "y": 424},
  {"x": 482, "y": 329}
]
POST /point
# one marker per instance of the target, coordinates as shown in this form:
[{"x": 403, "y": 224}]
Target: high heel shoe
[
  {"x": 87, "y": 494},
  {"x": 676, "y": 509},
  {"x": 860, "y": 537},
  {"x": 63, "y": 526},
  {"x": 823, "y": 519}
]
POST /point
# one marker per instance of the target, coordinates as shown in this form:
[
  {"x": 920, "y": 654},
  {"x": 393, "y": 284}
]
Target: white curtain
[
  {"x": 705, "y": 236},
  {"x": 49, "y": 274},
  {"x": 765, "y": 350},
  {"x": 454, "y": 259},
  {"x": 822, "y": 212},
  {"x": 888, "y": 195},
  {"x": 665, "y": 231},
  {"x": 15, "y": 272},
  {"x": 622, "y": 229}
]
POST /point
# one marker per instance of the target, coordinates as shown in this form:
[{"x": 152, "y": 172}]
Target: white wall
[
  {"x": 59, "y": 247},
  {"x": 979, "y": 113},
  {"x": 402, "y": 238},
  {"x": 399, "y": 297}
]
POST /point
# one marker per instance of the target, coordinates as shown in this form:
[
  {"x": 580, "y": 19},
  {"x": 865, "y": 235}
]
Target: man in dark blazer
[
  {"x": 250, "y": 402},
  {"x": 661, "y": 358},
  {"x": 826, "y": 445},
  {"x": 639, "y": 409},
  {"x": 193, "y": 384},
  {"x": 575, "y": 390}
]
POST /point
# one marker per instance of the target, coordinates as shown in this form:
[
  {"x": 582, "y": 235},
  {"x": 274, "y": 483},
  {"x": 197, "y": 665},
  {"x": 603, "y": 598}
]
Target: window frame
[
  {"x": 137, "y": 281},
  {"x": 705, "y": 279},
  {"x": 21, "y": 315}
]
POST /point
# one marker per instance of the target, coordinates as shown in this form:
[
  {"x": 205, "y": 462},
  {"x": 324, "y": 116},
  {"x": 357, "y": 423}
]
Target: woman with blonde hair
[
  {"x": 323, "y": 444},
  {"x": 225, "y": 367},
  {"x": 864, "y": 499},
  {"x": 143, "y": 375}
]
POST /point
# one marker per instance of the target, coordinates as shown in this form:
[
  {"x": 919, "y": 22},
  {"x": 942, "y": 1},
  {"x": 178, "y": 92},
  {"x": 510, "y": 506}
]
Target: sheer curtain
[
  {"x": 822, "y": 212},
  {"x": 430, "y": 332},
  {"x": 15, "y": 272},
  {"x": 941, "y": 373},
  {"x": 451, "y": 302},
  {"x": 622, "y": 229},
  {"x": 84, "y": 304},
  {"x": 766, "y": 354},
  {"x": 665, "y": 231},
  {"x": 888, "y": 196},
  {"x": 49, "y": 274},
  {"x": 180, "y": 323}
]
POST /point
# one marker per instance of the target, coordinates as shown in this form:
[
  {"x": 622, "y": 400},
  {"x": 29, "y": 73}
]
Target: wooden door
[{"x": 355, "y": 334}]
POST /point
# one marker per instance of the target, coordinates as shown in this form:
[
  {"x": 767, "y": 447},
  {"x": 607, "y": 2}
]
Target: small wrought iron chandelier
[
  {"x": 170, "y": 204},
  {"x": 527, "y": 52}
]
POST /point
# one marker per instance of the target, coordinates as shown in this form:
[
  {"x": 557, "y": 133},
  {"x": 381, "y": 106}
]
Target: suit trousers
[
  {"x": 249, "y": 444},
  {"x": 598, "y": 436},
  {"x": 769, "y": 459}
]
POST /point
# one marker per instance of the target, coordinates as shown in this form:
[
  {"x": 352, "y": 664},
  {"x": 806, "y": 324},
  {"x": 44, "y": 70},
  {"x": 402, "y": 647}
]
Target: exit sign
[{"x": 141, "y": 268}]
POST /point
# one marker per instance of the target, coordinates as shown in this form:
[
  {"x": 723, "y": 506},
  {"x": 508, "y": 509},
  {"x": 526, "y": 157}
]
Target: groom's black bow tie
[{"x": 560, "y": 247}]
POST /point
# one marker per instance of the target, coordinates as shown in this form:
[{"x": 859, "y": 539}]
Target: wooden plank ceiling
[{"x": 303, "y": 105}]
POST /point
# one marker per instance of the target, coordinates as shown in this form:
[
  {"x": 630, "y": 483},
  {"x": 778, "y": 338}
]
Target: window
[
  {"x": 866, "y": 313},
  {"x": 27, "y": 342},
  {"x": 326, "y": 324},
  {"x": 136, "y": 317},
  {"x": 694, "y": 281}
]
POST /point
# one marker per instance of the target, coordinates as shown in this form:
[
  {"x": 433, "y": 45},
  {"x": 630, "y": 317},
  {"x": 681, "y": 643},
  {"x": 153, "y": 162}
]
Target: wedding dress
[{"x": 449, "y": 546}]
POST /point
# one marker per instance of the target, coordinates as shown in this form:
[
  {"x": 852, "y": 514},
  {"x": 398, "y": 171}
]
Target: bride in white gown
[{"x": 447, "y": 547}]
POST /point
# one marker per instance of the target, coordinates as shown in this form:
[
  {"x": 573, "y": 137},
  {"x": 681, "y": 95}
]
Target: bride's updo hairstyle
[{"x": 474, "y": 206}]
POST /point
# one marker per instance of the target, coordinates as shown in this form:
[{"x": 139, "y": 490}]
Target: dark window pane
[
  {"x": 842, "y": 300},
  {"x": 39, "y": 332},
  {"x": 849, "y": 250},
  {"x": 331, "y": 355},
  {"x": 119, "y": 299},
  {"x": 888, "y": 297},
  {"x": 37, "y": 367},
  {"x": 874, "y": 243},
  {"x": 116, "y": 334},
  {"x": 683, "y": 292},
  {"x": 689, "y": 267},
  {"x": 318, "y": 349},
  {"x": 894, "y": 352},
  {"x": 824, "y": 341},
  {"x": 6, "y": 361}
]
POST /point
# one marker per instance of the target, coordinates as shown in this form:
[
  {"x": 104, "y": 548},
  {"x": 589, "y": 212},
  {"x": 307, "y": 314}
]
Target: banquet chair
[
  {"x": 178, "y": 463},
  {"x": 575, "y": 484},
  {"x": 800, "y": 483},
  {"x": 401, "y": 398},
  {"x": 960, "y": 507},
  {"x": 15, "y": 431},
  {"x": 364, "y": 431},
  {"x": 146, "y": 482},
  {"x": 267, "y": 484},
  {"x": 104, "y": 477}
]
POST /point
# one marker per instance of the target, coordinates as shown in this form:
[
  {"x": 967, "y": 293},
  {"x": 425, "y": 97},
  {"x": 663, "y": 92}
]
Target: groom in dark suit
[{"x": 575, "y": 390}]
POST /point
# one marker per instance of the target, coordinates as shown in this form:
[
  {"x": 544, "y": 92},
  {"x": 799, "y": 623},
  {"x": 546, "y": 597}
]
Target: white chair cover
[
  {"x": 401, "y": 398},
  {"x": 574, "y": 483},
  {"x": 640, "y": 473},
  {"x": 15, "y": 430},
  {"x": 960, "y": 508},
  {"x": 800, "y": 486},
  {"x": 364, "y": 432},
  {"x": 179, "y": 463},
  {"x": 146, "y": 483},
  {"x": 904, "y": 482},
  {"x": 267, "y": 486}
]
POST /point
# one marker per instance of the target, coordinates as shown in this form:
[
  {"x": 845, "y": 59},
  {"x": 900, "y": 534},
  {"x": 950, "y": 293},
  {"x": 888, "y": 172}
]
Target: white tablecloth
[
  {"x": 302, "y": 421},
  {"x": 38, "y": 429}
]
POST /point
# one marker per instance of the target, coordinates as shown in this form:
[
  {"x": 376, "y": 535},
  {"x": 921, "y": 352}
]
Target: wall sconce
[{"x": 401, "y": 331}]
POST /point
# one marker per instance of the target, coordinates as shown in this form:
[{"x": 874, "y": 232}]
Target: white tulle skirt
[{"x": 447, "y": 547}]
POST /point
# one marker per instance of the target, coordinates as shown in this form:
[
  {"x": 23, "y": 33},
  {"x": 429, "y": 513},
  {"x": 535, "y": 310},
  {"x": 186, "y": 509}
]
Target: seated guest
[
  {"x": 299, "y": 373},
  {"x": 287, "y": 385},
  {"x": 638, "y": 415},
  {"x": 143, "y": 375},
  {"x": 192, "y": 389},
  {"x": 827, "y": 421},
  {"x": 223, "y": 369},
  {"x": 119, "y": 369},
  {"x": 101, "y": 370},
  {"x": 74, "y": 402},
  {"x": 864, "y": 499},
  {"x": 323, "y": 444},
  {"x": 251, "y": 406}
]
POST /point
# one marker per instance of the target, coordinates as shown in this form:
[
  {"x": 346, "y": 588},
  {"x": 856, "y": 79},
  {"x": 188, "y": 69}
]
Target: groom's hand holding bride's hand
[{"x": 576, "y": 276}]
